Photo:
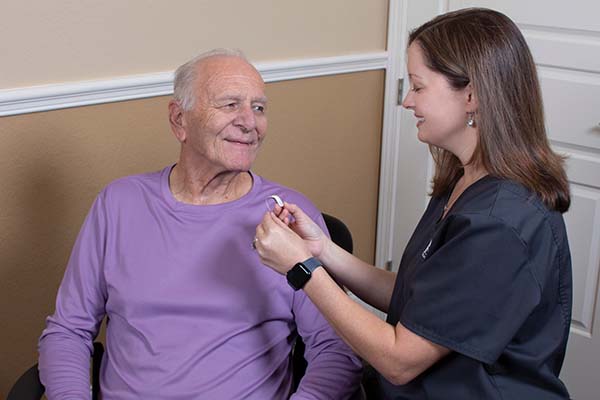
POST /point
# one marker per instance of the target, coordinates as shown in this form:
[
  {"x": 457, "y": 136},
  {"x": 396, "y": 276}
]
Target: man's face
[{"x": 227, "y": 124}]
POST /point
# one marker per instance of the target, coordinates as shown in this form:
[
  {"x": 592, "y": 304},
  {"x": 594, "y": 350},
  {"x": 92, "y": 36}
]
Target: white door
[{"x": 564, "y": 37}]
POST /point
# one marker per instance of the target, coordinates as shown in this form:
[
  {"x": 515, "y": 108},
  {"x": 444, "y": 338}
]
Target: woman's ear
[
  {"x": 471, "y": 99},
  {"x": 176, "y": 121}
]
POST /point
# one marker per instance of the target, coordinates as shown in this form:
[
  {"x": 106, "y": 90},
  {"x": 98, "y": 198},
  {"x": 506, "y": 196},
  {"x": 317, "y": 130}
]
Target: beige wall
[
  {"x": 324, "y": 139},
  {"x": 57, "y": 41}
]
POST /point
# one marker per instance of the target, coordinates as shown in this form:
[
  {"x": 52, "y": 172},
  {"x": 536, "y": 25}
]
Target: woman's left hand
[{"x": 278, "y": 246}]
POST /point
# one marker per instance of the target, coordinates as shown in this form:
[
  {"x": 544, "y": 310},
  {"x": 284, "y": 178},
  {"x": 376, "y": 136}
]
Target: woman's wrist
[{"x": 326, "y": 252}]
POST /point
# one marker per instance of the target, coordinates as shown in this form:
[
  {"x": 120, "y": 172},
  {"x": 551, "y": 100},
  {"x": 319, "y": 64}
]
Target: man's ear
[
  {"x": 471, "y": 99},
  {"x": 176, "y": 121}
]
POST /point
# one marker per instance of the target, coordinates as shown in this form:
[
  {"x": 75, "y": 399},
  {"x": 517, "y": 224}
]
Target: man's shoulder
[
  {"x": 133, "y": 185},
  {"x": 286, "y": 193}
]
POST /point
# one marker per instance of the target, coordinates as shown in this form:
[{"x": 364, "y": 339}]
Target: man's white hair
[{"x": 185, "y": 75}]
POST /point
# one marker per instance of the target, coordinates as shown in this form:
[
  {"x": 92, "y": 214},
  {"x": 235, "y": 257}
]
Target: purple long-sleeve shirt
[{"x": 192, "y": 312}]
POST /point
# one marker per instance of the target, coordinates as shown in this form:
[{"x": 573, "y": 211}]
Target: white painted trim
[
  {"x": 307, "y": 68},
  {"x": 66, "y": 95},
  {"x": 443, "y": 6},
  {"x": 390, "y": 141},
  {"x": 75, "y": 94}
]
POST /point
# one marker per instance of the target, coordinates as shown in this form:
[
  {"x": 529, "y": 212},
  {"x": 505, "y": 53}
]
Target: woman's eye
[{"x": 416, "y": 89}]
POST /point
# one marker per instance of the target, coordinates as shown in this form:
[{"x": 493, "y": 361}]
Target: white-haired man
[{"x": 167, "y": 257}]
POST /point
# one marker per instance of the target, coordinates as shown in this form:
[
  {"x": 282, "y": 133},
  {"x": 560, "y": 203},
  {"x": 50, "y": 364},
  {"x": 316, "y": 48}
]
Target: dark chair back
[
  {"x": 340, "y": 234},
  {"x": 29, "y": 387}
]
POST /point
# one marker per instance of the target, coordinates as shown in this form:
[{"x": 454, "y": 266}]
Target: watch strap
[
  {"x": 312, "y": 263},
  {"x": 301, "y": 272}
]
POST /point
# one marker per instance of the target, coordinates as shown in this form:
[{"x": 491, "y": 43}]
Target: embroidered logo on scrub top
[{"x": 424, "y": 253}]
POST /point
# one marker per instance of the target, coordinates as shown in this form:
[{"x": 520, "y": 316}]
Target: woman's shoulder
[
  {"x": 503, "y": 199},
  {"x": 517, "y": 205},
  {"x": 514, "y": 206}
]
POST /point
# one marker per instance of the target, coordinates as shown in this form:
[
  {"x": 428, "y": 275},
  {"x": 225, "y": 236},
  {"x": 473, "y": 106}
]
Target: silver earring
[{"x": 471, "y": 120}]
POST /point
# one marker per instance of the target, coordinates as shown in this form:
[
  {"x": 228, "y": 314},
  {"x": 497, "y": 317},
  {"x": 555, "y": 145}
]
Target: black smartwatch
[{"x": 301, "y": 272}]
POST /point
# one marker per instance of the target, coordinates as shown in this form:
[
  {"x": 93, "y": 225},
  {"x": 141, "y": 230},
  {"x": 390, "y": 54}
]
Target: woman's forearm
[
  {"x": 398, "y": 354},
  {"x": 371, "y": 284}
]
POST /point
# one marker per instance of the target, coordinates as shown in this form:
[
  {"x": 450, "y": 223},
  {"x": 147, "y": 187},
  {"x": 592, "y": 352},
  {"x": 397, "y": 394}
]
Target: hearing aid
[{"x": 277, "y": 200}]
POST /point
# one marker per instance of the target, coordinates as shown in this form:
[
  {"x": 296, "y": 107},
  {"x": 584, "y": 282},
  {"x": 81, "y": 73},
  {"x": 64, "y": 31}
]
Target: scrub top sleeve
[{"x": 472, "y": 289}]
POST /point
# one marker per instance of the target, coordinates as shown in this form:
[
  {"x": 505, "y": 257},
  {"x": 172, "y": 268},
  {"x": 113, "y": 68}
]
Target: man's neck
[{"x": 203, "y": 187}]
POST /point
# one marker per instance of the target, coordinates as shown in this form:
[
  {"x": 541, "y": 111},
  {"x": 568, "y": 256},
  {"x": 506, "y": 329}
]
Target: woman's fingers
[
  {"x": 298, "y": 215},
  {"x": 277, "y": 221},
  {"x": 277, "y": 245},
  {"x": 269, "y": 226},
  {"x": 292, "y": 208},
  {"x": 284, "y": 215}
]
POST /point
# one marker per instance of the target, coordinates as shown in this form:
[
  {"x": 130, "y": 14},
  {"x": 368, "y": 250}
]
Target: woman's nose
[{"x": 408, "y": 102}]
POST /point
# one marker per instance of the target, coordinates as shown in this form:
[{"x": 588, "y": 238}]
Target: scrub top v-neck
[{"x": 491, "y": 281}]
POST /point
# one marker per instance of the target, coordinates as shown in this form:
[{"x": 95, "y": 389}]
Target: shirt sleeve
[
  {"x": 334, "y": 371},
  {"x": 473, "y": 288},
  {"x": 66, "y": 343}
]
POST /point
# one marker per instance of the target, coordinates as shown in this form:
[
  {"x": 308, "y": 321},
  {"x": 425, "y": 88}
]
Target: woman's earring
[{"x": 471, "y": 120}]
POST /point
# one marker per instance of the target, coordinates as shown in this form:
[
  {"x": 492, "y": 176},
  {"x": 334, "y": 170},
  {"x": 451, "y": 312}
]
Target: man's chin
[
  {"x": 240, "y": 166},
  {"x": 242, "y": 163}
]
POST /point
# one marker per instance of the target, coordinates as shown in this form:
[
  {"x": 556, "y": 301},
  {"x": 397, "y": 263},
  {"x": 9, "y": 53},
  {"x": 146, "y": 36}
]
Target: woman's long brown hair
[{"x": 486, "y": 49}]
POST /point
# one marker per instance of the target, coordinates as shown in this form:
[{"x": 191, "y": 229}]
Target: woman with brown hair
[{"x": 481, "y": 305}]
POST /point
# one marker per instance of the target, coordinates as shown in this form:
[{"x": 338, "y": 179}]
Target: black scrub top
[{"x": 492, "y": 283}]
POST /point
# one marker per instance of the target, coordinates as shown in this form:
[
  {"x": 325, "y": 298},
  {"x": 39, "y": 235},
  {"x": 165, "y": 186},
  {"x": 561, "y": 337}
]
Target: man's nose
[{"x": 245, "y": 118}]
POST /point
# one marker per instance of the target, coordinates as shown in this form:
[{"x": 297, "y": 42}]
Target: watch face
[{"x": 298, "y": 276}]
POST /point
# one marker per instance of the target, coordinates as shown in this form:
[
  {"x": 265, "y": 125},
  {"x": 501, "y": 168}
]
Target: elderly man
[{"x": 167, "y": 256}]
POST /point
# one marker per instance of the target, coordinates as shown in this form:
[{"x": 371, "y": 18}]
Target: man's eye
[
  {"x": 260, "y": 109},
  {"x": 416, "y": 89},
  {"x": 229, "y": 106}
]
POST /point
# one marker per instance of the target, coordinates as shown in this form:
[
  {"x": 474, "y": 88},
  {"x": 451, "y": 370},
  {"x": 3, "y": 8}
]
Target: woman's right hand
[{"x": 303, "y": 226}]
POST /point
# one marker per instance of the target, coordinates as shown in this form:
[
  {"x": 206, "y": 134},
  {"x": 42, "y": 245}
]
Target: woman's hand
[
  {"x": 277, "y": 245},
  {"x": 304, "y": 226}
]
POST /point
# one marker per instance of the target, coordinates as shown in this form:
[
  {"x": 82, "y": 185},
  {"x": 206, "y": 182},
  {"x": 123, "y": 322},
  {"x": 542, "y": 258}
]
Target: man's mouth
[{"x": 240, "y": 142}]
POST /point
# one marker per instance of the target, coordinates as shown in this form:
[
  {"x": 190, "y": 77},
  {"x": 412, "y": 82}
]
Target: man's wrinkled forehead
[{"x": 222, "y": 72}]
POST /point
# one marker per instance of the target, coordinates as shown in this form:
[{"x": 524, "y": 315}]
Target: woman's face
[{"x": 441, "y": 111}]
